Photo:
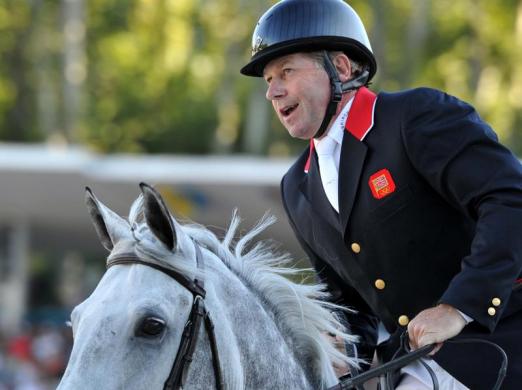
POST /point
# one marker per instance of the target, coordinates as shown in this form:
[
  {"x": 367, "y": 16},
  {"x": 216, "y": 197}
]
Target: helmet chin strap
[{"x": 337, "y": 90}]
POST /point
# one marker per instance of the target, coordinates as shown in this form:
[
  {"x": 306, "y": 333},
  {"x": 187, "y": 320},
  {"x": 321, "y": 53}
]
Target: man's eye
[{"x": 287, "y": 71}]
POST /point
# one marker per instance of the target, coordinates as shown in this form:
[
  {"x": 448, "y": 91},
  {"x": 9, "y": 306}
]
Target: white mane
[{"x": 302, "y": 311}]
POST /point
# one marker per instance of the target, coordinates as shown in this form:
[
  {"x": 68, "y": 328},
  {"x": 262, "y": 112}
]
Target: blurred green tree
[{"x": 162, "y": 76}]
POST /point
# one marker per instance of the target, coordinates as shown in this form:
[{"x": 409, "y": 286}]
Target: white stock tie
[{"x": 328, "y": 170}]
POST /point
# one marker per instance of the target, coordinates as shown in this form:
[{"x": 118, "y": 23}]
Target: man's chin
[{"x": 304, "y": 134}]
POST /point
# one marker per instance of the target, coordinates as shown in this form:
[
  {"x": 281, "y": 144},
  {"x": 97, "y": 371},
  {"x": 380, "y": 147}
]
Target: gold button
[
  {"x": 403, "y": 320},
  {"x": 491, "y": 311},
  {"x": 379, "y": 284},
  {"x": 496, "y": 301},
  {"x": 356, "y": 248}
]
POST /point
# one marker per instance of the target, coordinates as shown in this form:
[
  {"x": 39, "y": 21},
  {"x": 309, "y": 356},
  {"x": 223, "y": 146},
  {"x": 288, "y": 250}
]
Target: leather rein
[{"x": 198, "y": 315}]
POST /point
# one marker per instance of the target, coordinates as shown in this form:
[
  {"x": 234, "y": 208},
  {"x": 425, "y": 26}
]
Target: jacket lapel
[
  {"x": 353, "y": 153},
  {"x": 312, "y": 189}
]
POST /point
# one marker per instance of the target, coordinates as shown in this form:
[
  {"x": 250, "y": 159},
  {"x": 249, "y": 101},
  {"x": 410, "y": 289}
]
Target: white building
[{"x": 42, "y": 206}]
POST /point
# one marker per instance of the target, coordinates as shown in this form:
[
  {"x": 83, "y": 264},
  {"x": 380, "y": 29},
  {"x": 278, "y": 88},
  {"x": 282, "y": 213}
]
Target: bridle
[{"x": 198, "y": 314}]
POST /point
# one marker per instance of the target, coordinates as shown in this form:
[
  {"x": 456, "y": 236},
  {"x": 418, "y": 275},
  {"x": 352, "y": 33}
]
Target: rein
[
  {"x": 387, "y": 370},
  {"x": 198, "y": 315}
]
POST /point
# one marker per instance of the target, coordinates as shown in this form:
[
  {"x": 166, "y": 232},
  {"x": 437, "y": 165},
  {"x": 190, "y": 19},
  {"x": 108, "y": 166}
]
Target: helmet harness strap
[{"x": 337, "y": 90}]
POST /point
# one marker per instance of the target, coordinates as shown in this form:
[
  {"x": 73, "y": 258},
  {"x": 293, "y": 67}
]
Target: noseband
[{"x": 198, "y": 314}]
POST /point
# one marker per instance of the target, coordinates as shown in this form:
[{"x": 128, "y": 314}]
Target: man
[{"x": 406, "y": 204}]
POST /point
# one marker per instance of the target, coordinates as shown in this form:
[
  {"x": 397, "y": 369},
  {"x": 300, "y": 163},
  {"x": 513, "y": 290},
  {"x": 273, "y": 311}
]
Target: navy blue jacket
[{"x": 430, "y": 211}]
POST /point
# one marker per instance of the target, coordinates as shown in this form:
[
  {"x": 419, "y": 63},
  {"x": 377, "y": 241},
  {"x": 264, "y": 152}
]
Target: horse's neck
[{"x": 254, "y": 351}]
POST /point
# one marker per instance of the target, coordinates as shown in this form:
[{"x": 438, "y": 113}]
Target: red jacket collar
[{"x": 359, "y": 121}]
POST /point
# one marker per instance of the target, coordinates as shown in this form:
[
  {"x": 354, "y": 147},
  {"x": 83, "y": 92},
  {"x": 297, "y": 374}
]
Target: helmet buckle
[{"x": 337, "y": 91}]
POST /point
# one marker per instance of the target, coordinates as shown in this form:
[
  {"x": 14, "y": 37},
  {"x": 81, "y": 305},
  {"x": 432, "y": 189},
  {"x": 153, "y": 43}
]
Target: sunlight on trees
[{"x": 162, "y": 76}]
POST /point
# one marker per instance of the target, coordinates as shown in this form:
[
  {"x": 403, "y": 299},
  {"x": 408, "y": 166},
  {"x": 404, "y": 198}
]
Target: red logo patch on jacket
[{"x": 381, "y": 184}]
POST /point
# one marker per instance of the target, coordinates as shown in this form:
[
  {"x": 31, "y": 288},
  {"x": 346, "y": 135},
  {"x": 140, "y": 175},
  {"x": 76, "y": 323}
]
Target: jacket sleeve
[
  {"x": 362, "y": 322},
  {"x": 460, "y": 157}
]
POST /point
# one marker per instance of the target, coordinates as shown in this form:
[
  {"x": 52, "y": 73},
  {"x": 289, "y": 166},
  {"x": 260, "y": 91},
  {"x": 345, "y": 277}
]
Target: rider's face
[{"x": 299, "y": 89}]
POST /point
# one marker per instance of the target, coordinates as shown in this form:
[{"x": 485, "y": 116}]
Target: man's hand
[
  {"x": 338, "y": 343},
  {"x": 435, "y": 325}
]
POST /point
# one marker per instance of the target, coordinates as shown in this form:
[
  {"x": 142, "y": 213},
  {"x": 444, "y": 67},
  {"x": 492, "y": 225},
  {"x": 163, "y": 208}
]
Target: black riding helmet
[{"x": 292, "y": 26}]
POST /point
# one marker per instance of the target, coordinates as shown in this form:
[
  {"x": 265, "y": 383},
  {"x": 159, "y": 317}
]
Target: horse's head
[
  {"x": 127, "y": 332},
  {"x": 156, "y": 299}
]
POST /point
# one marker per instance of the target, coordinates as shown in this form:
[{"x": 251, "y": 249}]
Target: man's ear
[{"x": 343, "y": 66}]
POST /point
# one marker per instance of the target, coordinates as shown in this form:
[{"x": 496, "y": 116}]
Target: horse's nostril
[{"x": 150, "y": 327}]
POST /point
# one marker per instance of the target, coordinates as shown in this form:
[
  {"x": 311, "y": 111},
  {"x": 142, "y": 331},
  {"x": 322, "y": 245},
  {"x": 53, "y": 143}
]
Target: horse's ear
[
  {"x": 109, "y": 226},
  {"x": 158, "y": 216}
]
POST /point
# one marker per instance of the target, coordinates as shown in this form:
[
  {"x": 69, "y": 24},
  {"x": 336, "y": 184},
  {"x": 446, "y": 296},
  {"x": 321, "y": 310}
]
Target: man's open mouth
[{"x": 288, "y": 110}]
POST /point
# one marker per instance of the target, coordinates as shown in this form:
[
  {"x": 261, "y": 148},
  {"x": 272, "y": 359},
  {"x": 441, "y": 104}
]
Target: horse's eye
[{"x": 150, "y": 327}]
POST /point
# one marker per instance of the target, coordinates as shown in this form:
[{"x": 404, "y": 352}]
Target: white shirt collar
[{"x": 336, "y": 131}]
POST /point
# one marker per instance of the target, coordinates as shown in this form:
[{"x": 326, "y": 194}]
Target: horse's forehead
[
  {"x": 123, "y": 247},
  {"x": 135, "y": 287}
]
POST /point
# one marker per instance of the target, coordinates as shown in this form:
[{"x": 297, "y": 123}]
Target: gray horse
[{"x": 262, "y": 331}]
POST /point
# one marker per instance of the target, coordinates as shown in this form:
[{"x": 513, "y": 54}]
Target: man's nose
[{"x": 275, "y": 90}]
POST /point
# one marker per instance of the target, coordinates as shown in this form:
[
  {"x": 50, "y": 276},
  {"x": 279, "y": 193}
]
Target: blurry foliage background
[{"x": 162, "y": 76}]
